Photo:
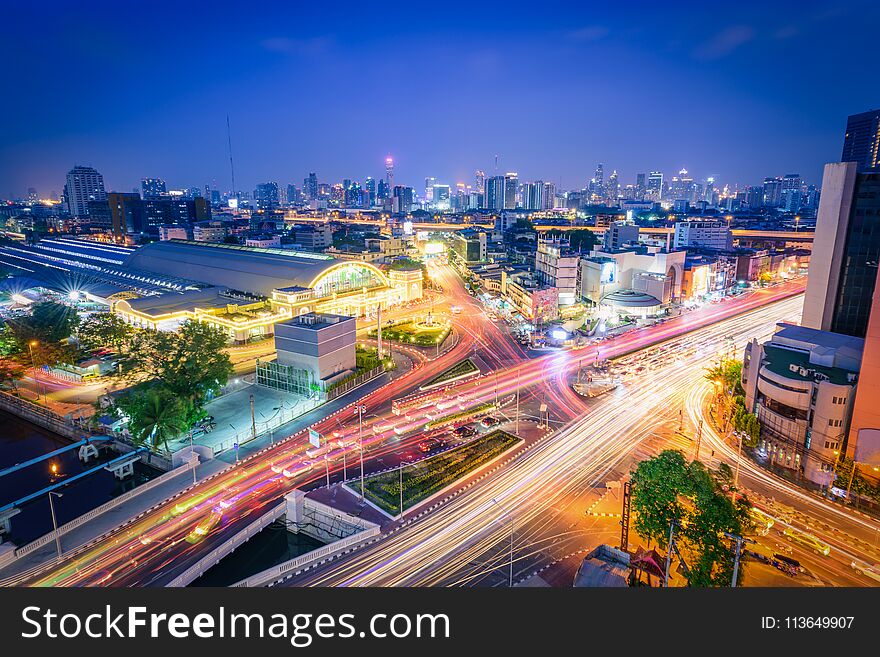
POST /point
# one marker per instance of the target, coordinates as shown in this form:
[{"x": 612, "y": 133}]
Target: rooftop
[{"x": 796, "y": 365}]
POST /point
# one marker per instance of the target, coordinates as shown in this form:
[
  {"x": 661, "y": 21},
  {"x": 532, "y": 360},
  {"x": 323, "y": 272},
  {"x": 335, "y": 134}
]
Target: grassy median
[{"x": 423, "y": 479}]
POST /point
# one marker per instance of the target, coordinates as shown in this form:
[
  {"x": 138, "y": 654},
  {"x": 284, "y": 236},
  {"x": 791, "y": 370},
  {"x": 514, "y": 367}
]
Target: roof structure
[{"x": 248, "y": 269}]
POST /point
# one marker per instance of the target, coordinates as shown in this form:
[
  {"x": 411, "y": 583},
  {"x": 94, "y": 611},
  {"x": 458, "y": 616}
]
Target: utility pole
[
  {"x": 669, "y": 552},
  {"x": 327, "y": 466},
  {"x": 739, "y": 435},
  {"x": 55, "y": 522},
  {"x": 739, "y": 542},
  {"x": 517, "y": 402},
  {"x": 379, "y": 331},
  {"x": 699, "y": 439},
  {"x": 624, "y": 516}
]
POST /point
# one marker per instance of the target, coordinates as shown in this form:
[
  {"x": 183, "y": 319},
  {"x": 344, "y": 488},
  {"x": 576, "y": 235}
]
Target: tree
[
  {"x": 667, "y": 489},
  {"x": 155, "y": 415},
  {"x": 48, "y": 322},
  {"x": 191, "y": 363},
  {"x": 580, "y": 239},
  {"x": 105, "y": 330},
  {"x": 656, "y": 486},
  {"x": 10, "y": 370}
]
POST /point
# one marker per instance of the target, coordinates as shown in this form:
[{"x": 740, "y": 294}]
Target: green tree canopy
[
  {"x": 48, "y": 322},
  {"x": 190, "y": 363},
  {"x": 156, "y": 415},
  {"x": 668, "y": 489},
  {"x": 105, "y": 330}
]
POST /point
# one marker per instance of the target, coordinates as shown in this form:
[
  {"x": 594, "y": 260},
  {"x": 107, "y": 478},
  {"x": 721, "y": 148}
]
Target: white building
[
  {"x": 702, "y": 235},
  {"x": 84, "y": 184},
  {"x": 556, "y": 266}
]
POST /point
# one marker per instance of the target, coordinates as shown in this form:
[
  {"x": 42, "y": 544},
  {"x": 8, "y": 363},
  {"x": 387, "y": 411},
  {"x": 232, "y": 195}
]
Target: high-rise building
[
  {"x": 501, "y": 192},
  {"x": 126, "y": 213},
  {"x": 846, "y": 251},
  {"x": 440, "y": 197},
  {"x": 429, "y": 189},
  {"x": 655, "y": 185},
  {"x": 641, "y": 187},
  {"x": 861, "y": 143},
  {"x": 791, "y": 193},
  {"x": 389, "y": 172},
  {"x": 370, "y": 187},
  {"x": 480, "y": 181},
  {"x": 533, "y": 195},
  {"x": 310, "y": 187},
  {"x": 84, "y": 184},
  {"x": 402, "y": 201},
  {"x": 153, "y": 188},
  {"x": 266, "y": 196},
  {"x": 772, "y": 192}
]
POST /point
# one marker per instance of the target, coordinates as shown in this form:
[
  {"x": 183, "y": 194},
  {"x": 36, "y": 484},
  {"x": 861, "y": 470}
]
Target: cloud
[
  {"x": 589, "y": 33},
  {"x": 724, "y": 43},
  {"x": 288, "y": 46}
]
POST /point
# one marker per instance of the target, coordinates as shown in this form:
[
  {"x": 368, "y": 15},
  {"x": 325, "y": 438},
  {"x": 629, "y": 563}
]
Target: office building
[
  {"x": 126, "y": 214},
  {"x": 556, "y": 265},
  {"x": 655, "y": 185},
  {"x": 801, "y": 384},
  {"x": 501, "y": 192},
  {"x": 153, "y": 188},
  {"x": 266, "y": 196},
  {"x": 846, "y": 251},
  {"x": 772, "y": 192},
  {"x": 619, "y": 234},
  {"x": 703, "y": 235},
  {"x": 310, "y": 187},
  {"x": 861, "y": 143},
  {"x": 402, "y": 199},
  {"x": 470, "y": 245},
  {"x": 84, "y": 184}
]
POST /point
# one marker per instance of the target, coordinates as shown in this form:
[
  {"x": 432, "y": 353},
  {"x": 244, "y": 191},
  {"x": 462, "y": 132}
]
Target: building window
[
  {"x": 838, "y": 400},
  {"x": 834, "y": 423}
]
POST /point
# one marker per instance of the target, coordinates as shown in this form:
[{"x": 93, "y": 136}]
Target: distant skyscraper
[
  {"x": 655, "y": 185},
  {"x": 153, "y": 188},
  {"x": 480, "y": 181},
  {"x": 266, "y": 196},
  {"x": 792, "y": 191},
  {"x": 370, "y": 187},
  {"x": 641, "y": 186},
  {"x": 402, "y": 200},
  {"x": 846, "y": 251},
  {"x": 861, "y": 143},
  {"x": 84, "y": 184},
  {"x": 772, "y": 192},
  {"x": 533, "y": 195},
  {"x": 389, "y": 172},
  {"x": 310, "y": 187},
  {"x": 429, "y": 189}
]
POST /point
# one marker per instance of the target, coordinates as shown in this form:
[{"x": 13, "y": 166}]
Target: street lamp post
[
  {"x": 738, "y": 434},
  {"x": 192, "y": 454},
  {"x": 400, "y": 486},
  {"x": 360, "y": 411},
  {"x": 41, "y": 386},
  {"x": 55, "y": 522}
]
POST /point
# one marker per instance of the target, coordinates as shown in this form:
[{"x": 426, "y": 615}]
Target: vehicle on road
[
  {"x": 205, "y": 526},
  {"x": 464, "y": 431},
  {"x": 806, "y": 540},
  {"x": 866, "y": 569},
  {"x": 431, "y": 444},
  {"x": 490, "y": 421}
]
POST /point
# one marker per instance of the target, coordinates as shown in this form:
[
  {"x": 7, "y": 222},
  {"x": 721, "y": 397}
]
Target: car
[
  {"x": 866, "y": 569},
  {"x": 431, "y": 444},
  {"x": 490, "y": 421},
  {"x": 464, "y": 431},
  {"x": 807, "y": 541},
  {"x": 205, "y": 526}
]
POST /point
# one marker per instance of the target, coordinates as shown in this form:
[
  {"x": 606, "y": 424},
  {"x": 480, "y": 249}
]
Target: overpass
[{"x": 804, "y": 236}]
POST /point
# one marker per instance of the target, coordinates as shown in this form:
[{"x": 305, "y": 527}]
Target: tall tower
[{"x": 389, "y": 172}]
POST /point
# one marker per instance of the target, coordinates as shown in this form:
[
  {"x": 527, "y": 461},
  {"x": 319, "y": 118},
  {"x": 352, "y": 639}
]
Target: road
[
  {"x": 153, "y": 549},
  {"x": 465, "y": 539}
]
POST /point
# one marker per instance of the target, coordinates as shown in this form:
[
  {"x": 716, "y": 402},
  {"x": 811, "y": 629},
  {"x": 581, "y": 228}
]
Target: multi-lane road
[{"x": 170, "y": 538}]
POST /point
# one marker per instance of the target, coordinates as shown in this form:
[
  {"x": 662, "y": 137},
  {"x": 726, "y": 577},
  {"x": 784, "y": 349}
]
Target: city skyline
[{"x": 484, "y": 85}]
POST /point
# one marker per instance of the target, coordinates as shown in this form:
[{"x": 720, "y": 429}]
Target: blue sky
[{"x": 143, "y": 89}]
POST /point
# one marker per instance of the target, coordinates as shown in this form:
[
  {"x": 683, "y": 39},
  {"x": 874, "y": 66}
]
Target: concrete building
[
  {"x": 173, "y": 232},
  {"x": 642, "y": 269},
  {"x": 470, "y": 245},
  {"x": 323, "y": 344},
  {"x": 801, "y": 384},
  {"x": 702, "y": 234},
  {"x": 209, "y": 231},
  {"x": 557, "y": 266},
  {"x": 535, "y": 302},
  {"x": 863, "y": 445},
  {"x": 263, "y": 241},
  {"x": 313, "y": 237},
  {"x": 83, "y": 184},
  {"x": 846, "y": 251},
  {"x": 620, "y": 234}
]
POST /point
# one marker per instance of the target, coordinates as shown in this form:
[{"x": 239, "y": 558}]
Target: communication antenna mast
[{"x": 231, "y": 165}]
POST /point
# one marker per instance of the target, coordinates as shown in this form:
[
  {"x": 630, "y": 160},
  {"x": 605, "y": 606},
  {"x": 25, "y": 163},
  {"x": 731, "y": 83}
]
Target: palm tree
[{"x": 160, "y": 418}]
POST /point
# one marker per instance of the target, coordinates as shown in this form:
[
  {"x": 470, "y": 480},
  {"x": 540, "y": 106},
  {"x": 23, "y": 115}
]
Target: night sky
[{"x": 143, "y": 89}]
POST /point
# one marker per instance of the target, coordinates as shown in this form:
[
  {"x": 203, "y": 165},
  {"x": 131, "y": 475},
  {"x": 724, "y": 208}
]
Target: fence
[
  {"x": 215, "y": 555},
  {"x": 94, "y": 513},
  {"x": 351, "y": 384},
  {"x": 38, "y": 415}
]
